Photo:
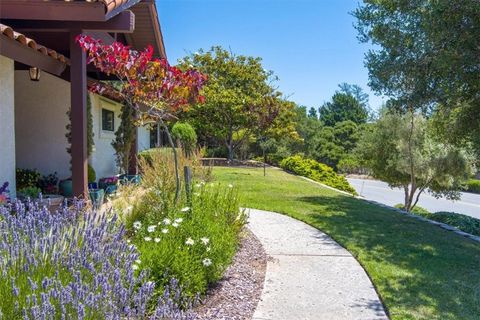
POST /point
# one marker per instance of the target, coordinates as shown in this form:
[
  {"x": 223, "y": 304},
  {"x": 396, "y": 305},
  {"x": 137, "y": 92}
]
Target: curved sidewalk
[{"x": 310, "y": 276}]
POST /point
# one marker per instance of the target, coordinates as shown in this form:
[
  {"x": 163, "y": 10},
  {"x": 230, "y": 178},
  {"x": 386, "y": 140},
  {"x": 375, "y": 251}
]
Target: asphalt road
[{"x": 379, "y": 191}]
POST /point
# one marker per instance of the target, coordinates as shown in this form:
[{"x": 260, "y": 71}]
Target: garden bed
[{"x": 236, "y": 296}]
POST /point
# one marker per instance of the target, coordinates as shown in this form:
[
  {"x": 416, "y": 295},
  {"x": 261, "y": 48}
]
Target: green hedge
[
  {"x": 473, "y": 185},
  {"x": 316, "y": 171},
  {"x": 460, "y": 221}
]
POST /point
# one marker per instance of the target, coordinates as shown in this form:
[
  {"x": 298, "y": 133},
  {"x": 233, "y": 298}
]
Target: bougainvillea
[{"x": 145, "y": 80}]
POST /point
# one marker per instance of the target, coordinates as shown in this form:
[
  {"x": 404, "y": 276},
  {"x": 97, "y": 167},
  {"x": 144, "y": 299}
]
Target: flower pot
[
  {"x": 97, "y": 196},
  {"x": 66, "y": 188},
  {"x": 130, "y": 178},
  {"x": 53, "y": 201}
]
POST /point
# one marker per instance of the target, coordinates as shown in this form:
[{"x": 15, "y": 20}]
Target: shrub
[
  {"x": 73, "y": 264},
  {"x": 27, "y": 178},
  {"x": 465, "y": 223},
  {"x": 316, "y": 171},
  {"x": 350, "y": 165},
  {"x": 193, "y": 241},
  {"x": 473, "y": 185},
  {"x": 186, "y": 136},
  {"x": 416, "y": 210},
  {"x": 29, "y": 192},
  {"x": 460, "y": 221}
]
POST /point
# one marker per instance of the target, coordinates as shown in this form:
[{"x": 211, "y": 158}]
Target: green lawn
[{"x": 419, "y": 270}]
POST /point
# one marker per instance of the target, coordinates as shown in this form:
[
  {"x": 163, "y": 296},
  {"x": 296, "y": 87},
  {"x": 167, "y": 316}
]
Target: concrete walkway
[{"x": 310, "y": 276}]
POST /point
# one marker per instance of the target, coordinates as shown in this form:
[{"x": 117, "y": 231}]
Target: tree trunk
[{"x": 229, "y": 144}]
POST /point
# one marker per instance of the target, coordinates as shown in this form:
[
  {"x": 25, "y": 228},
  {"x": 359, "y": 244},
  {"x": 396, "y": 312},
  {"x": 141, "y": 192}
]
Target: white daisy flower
[
  {"x": 137, "y": 225},
  {"x": 135, "y": 267},
  {"x": 128, "y": 240},
  {"x": 147, "y": 239},
  {"x": 138, "y": 261},
  {"x": 189, "y": 242},
  {"x": 175, "y": 225},
  {"x": 179, "y": 220},
  {"x": 151, "y": 228},
  {"x": 208, "y": 249},
  {"x": 185, "y": 209},
  {"x": 164, "y": 230},
  {"x": 157, "y": 240},
  {"x": 167, "y": 221},
  {"x": 207, "y": 262},
  {"x": 230, "y": 185},
  {"x": 205, "y": 240}
]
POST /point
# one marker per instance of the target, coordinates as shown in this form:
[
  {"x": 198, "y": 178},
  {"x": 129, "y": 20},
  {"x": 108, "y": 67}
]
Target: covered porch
[{"x": 32, "y": 113}]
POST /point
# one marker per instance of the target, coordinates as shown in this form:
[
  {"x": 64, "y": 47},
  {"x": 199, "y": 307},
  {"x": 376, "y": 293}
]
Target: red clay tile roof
[
  {"x": 23, "y": 40},
  {"x": 110, "y": 5}
]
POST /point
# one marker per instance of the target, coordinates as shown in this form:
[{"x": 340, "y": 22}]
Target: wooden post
[
  {"x": 78, "y": 96},
  {"x": 187, "y": 172}
]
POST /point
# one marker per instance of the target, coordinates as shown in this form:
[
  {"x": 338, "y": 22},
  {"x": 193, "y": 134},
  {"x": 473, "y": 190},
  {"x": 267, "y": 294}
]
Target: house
[{"x": 43, "y": 74}]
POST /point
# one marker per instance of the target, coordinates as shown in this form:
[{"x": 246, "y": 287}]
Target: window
[{"x": 108, "y": 120}]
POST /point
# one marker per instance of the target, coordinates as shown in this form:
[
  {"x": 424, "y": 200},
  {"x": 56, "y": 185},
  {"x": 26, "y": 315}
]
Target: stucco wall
[
  {"x": 143, "y": 138},
  {"x": 40, "y": 119},
  {"x": 7, "y": 124},
  {"x": 103, "y": 156}
]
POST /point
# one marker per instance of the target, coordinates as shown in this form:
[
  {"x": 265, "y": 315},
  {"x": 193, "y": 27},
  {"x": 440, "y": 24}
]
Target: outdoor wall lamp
[{"x": 34, "y": 74}]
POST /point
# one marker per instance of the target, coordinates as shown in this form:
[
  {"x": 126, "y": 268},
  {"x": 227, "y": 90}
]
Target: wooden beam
[
  {"x": 29, "y": 56},
  {"x": 78, "y": 96},
  {"x": 121, "y": 8},
  {"x": 52, "y": 10},
  {"x": 124, "y": 22}
]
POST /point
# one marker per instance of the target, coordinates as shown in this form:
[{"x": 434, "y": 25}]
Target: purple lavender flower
[{"x": 74, "y": 264}]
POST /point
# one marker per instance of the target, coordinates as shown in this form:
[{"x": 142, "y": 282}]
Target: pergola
[{"x": 55, "y": 24}]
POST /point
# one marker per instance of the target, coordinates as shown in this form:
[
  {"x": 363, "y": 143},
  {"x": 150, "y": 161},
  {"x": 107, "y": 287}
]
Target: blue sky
[{"x": 311, "y": 45}]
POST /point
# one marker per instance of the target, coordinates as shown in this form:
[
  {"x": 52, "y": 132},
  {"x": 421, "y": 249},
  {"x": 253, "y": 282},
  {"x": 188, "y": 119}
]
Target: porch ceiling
[
  {"x": 63, "y": 10},
  {"x": 21, "y": 48}
]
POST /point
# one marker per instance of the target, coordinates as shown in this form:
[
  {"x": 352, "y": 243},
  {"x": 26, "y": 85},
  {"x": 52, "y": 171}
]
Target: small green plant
[
  {"x": 316, "y": 171},
  {"x": 29, "y": 192},
  {"x": 185, "y": 135},
  {"x": 27, "y": 178}
]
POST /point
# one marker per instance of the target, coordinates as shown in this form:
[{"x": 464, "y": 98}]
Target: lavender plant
[{"x": 74, "y": 264}]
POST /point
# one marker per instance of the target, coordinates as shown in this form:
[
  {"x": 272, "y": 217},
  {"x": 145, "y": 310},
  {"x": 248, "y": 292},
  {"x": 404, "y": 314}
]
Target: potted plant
[
  {"x": 66, "y": 186},
  {"x": 109, "y": 184}
]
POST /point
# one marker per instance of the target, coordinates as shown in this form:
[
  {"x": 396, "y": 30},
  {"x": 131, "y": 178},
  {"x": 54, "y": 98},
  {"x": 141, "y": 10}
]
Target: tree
[
  {"x": 355, "y": 91},
  {"x": 312, "y": 113},
  {"x": 124, "y": 138},
  {"x": 343, "y": 107},
  {"x": 401, "y": 150},
  {"x": 164, "y": 90},
  {"x": 426, "y": 57},
  {"x": 185, "y": 136},
  {"x": 235, "y": 94}
]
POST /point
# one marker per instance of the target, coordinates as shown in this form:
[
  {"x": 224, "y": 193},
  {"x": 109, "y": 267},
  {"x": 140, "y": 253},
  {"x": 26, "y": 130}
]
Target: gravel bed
[{"x": 236, "y": 296}]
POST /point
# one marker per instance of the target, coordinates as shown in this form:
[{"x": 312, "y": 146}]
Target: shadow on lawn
[{"x": 414, "y": 265}]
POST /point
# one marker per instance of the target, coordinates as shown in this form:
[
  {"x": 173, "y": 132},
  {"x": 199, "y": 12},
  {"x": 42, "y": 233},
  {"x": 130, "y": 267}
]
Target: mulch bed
[{"x": 236, "y": 296}]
